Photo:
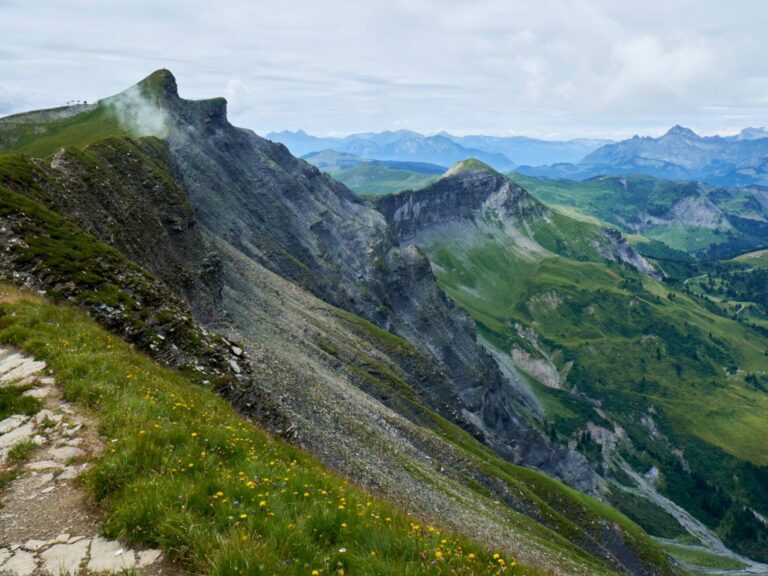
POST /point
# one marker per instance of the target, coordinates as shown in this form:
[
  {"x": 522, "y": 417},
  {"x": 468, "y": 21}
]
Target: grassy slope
[
  {"x": 569, "y": 512},
  {"x": 610, "y": 319},
  {"x": 618, "y": 201},
  {"x": 757, "y": 259},
  {"x": 185, "y": 472},
  {"x": 41, "y": 139},
  {"x": 374, "y": 180},
  {"x": 628, "y": 342}
]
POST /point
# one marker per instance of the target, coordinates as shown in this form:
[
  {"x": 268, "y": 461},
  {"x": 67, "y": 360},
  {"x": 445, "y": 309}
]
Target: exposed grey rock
[
  {"x": 147, "y": 557},
  {"x": 62, "y": 559},
  {"x": 22, "y": 563},
  {"x": 44, "y": 465},
  {"x": 110, "y": 556},
  {"x": 65, "y": 453},
  {"x": 34, "y": 545},
  {"x": 11, "y": 423},
  {"x": 284, "y": 214},
  {"x": 41, "y": 392},
  {"x": 26, "y": 368}
]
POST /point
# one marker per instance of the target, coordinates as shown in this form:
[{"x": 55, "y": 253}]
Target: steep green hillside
[
  {"x": 188, "y": 474},
  {"x": 39, "y": 135},
  {"x": 700, "y": 219},
  {"x": 545, "y": 524},
  {"x": 374, "y": 177},
  {"x": 375, "y": 180},
  {"x": 630, "y": 370}
]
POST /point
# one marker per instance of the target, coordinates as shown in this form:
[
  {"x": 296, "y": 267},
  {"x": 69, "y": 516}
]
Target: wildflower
[
  {"x": 496, "y": 556},
  {"x": 243, "y": 516},
  {"x": 342, "y": 550},
  {"x": 315, "y": 572},
  {"x": 262, "y": 503},
  {"x": 438, "y": 554},
  {"x": 471, "y": 555}
]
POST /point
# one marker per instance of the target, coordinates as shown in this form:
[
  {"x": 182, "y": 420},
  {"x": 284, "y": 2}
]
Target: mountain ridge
[
  {"x": 679, "y": 154},
  {"x": 307, "y": 280}
]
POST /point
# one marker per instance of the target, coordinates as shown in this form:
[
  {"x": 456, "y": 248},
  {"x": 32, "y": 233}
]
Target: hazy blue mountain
[
  {"x": 751, "y": 133},
  {"x": 532, "y": 151},
  {"x": 680, "y": 154},
  {"x": 402, "y": 145}
]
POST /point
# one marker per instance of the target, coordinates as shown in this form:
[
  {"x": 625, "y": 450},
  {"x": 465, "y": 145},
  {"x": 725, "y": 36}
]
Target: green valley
[{"x": 637, "y": 373}]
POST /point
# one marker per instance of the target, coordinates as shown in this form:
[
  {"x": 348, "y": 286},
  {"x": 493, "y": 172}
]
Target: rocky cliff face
[
  {"x": 467, "y": 189},
  {"x": 287, "y": 216}
]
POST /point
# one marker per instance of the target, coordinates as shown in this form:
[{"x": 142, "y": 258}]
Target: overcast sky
[{"x": 550, "y": 68}]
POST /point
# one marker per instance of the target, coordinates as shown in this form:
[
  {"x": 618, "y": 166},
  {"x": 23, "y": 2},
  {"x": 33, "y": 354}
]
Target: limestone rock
[
  {"x": 65, "y": 558},
  {"x": 109, "y": 556},
  {"x": 22, "y": 563}
]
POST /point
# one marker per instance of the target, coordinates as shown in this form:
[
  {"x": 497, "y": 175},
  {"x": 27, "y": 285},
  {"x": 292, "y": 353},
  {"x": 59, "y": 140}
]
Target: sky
[{"x": 545, "y": 68}]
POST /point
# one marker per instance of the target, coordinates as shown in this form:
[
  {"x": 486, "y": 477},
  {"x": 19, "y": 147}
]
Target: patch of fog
[{"x": 139, "y": 114}]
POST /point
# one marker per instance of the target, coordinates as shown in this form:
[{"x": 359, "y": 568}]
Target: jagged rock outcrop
[
  {"x": 468, "y": 188},
  {"x": 619, "y": 249}
]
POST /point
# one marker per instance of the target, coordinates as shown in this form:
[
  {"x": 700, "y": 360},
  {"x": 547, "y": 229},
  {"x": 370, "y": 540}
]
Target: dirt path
[{"x": 48, "y": 523}]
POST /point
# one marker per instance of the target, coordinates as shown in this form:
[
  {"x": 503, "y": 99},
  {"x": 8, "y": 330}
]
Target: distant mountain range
[
  {"x": 501, "y": 152},
  {"x": 680, "y": 154}
]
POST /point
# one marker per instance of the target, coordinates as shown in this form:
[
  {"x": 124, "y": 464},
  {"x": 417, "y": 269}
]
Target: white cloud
[
  {"x": 239, "y": 97},
  {"x": 565, "y": 67}
]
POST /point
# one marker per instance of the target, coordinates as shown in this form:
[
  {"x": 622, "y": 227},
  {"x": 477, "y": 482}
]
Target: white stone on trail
[
  {"x": 43, "y": 479},
  {"x": 11, "y": 422},
  {"x": 48, "y": 490},
  {"x": 4, "y": 555},
  {"x": 27, "y": 368},
  {"x": 46, "y": 414},
  {"x": 64, "y": 558},
  {"x": 16, "y": 435},
  {"x": 47, "y": 381},
  {"x": 147, "y": 557},
  {"x": 22, "y": 564},
  {"x": 63, "y": 537},
  {"x": 10, "y": 439},
  {"x": 109, "y": 556},
  {"x": 34, "y": 545},
  {"x": 44, "y": 465},
  {"x": 9, "y": 361},
  {"x": 65, "y": 453},
  {"x": 38, "y": 393},
  {"x": 69, "y": 473}
]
